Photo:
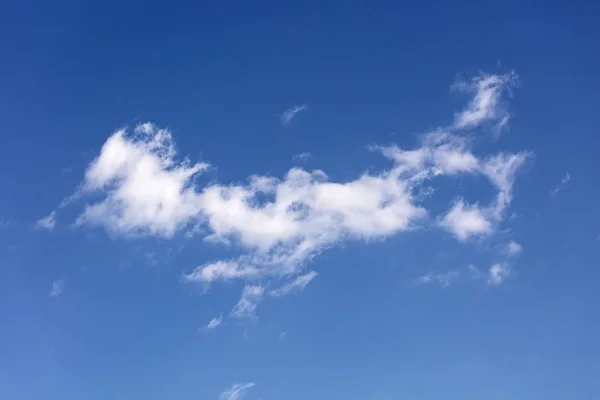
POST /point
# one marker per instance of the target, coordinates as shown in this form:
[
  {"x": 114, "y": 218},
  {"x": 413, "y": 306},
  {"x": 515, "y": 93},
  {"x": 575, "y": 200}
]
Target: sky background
[{"x": 119, "y": 304}]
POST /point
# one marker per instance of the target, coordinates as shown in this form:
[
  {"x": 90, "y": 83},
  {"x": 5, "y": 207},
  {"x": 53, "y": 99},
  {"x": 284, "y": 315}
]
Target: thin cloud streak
[
  {"x": 213, "y": 323},
  {"x": 561, "y": 185},
  {"x": 297, "y": 285},
  {"x": 495, "y": 276},
  {"x": 443, "y": 279},
  {"x": 289, "y": 114},
  {"x": 237, "y": 391},
  {"x": 246, "y": 307},
  {"x": 486, "y": 105},
  {"x": 48, "y": 222}
]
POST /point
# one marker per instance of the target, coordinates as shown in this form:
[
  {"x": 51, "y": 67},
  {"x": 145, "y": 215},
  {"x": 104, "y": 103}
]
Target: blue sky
[{"x": 303, "y": 200}]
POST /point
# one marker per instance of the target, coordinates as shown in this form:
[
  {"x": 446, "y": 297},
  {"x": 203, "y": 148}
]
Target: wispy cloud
[
  {"x": 246, "y": 307},
  {"x": 58, "y": 286},
  {"x": 513, "y": 248},
  {"x": 47, "y": 222},
  {"x": 486, "y": 104},
  {"x": 442, "y": 153},
  {"x": 289, "y": 114},
  {"x": 279, "y": 224},
  {"x": 561, "y": 185},
  {"x": 221, "y": 270},
  {"x": 237, "y": 391},
  {"x": 442, "y": 279},
  {"x": 465, "y": 221},
  {"x": 296, "y": 285},
  {"x": 302, "y": 157},
  {"x": 213, "y": 323},
  {"x": 495, "y": 276},
  {"x": 498, "y": 273}
]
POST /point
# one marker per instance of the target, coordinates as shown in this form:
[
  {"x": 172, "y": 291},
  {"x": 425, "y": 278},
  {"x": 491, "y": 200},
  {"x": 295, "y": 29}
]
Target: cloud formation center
[{"x": 281, "y": 223}]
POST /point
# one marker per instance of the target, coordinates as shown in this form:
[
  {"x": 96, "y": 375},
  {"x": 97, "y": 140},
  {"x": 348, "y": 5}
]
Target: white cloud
[
  {"x": 486, "y": 104},
  {"x": 281, "y": 223},
  {"x": 47, "y": 222},
  {"x": 302, "y": 215},
  {"x": 465, "y": 221},
  {"x": 237, "y": 391},
  {"x": 282, "y": 335},
  {"x": 442, "y": 279},
  {"x": 297, "y": 285},
  {"x": 220, "y": 270},
  {"x": 501, "y": 170},
  {"x": 498, "y": 273},
  {"x": 441, "y": 152},
  {"x": 302, "y": 157},
  {"x": 58, "y": 286},
  {"x": 561, "y": 185},
  {"x": 513, "y": 248},
  {"x": 246, "y": 307},
  {"x": 213, "y": 323},
  {"x": 146, "y": 191},
  {"x": 291, "y": 112}
]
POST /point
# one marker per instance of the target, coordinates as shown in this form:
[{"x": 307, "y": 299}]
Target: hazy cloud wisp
[
  {"x": 58, "y": 286},
  {"x": 237, "y": 391},
  {"x": 289, "y": 114}
]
